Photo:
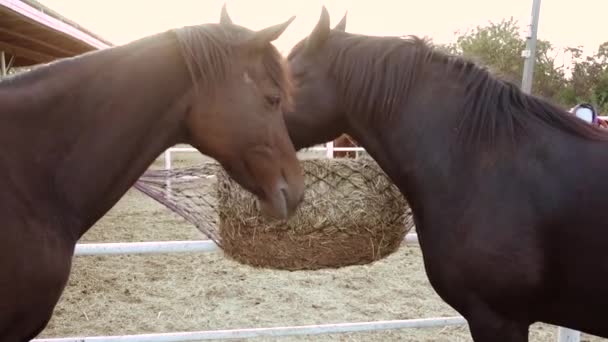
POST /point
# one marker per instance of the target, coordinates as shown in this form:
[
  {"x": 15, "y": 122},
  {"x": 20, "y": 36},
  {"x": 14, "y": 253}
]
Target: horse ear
[
  {"x": 320, "y": 33},
  {"x": 262, "y": 37},
  {"x": 342, "y": 24},
  {"x": 224, "y": 17}
]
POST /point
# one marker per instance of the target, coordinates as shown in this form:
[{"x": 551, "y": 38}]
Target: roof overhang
[{"x": 34, "y": 34}]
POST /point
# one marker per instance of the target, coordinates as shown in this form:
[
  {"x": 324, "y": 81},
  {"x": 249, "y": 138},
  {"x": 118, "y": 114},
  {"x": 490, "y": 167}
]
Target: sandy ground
[{"x": 134, "y": 294}]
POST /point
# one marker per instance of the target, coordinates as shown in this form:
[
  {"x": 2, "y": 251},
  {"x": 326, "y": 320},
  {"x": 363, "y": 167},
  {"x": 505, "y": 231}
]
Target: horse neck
[
  {"x": 388, "y": 149},
  {"x": 425, "y": 151},
  {"x": 95, "y": 123},
  {"x": 416, "y": 146}
]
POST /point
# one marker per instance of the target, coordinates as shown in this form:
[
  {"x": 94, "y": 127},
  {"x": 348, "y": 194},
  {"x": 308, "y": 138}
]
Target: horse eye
[{"x": 273, "y": 100}]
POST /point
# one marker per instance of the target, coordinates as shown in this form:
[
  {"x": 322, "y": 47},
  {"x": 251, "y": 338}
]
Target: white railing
[
  {"x": 268, "y": 332},
  {"x": 329, "y": 148},
  {"x": 207, "y": 246},
  {"x": 564, "y": 334},
  {"x": 204, "y": 246},
  {"x": 156, "y": 247}
]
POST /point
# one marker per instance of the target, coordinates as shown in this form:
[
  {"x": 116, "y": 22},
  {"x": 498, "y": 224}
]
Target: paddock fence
[{"x": 207, "y": 246}]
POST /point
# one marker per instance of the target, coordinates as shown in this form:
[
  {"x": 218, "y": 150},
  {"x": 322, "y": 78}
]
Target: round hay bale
[{"x": 352, "y": 214}]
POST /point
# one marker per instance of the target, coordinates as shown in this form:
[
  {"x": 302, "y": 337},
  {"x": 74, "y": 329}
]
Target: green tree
[
  {"x": 499, "y": 46},
  {"x": 589, "y": 80}
]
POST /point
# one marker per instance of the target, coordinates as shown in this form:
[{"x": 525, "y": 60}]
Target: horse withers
[
  {"x": 505, "y": 188},
  {"x": 76, "y": 134}
]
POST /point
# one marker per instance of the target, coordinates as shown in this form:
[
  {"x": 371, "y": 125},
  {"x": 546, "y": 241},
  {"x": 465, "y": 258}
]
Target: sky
[{"x": 563, "y": 22}]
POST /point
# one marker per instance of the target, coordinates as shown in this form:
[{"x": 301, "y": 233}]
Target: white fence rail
[
  {"x": 329, "y": 148},
  {"x": 564, "y": 335},
  {"x": 266, "y": 332},
  {"x": 91, "y": 249},
  {"x": 158, "y": 247},
  {"x": 206, "y": 246}
]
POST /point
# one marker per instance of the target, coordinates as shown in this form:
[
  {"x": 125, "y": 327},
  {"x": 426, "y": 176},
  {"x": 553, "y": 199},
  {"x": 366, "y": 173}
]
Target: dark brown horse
[
  {"x": 76, "y": 134},
  {"x": 508, "y": 191}
]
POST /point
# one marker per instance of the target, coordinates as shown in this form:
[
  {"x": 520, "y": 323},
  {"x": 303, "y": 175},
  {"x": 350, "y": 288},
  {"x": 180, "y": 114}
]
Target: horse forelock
[
  {"x": 207, "y": 52},
  {"x": 277, "y": 69},
  {"x": 210, "y": 53}
]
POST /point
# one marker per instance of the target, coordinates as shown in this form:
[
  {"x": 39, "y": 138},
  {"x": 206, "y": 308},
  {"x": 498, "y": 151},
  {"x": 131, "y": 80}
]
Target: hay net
[
  {"x": 341, "y": 194},
  {"x": 189, "y": 192}
]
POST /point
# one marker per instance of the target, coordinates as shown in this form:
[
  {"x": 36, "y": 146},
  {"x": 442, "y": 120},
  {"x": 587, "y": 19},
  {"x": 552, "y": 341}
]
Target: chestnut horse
[
  {"x": 76, "y": 134},
  {"x": 506, "y": 189}
]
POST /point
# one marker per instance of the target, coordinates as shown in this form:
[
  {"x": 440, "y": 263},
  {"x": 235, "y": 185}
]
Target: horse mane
[
  {"x": 375, "y": 76},
  {"x": 378, "y": 72},
  {"x": 496, "y": 108},
  {"x": 209, "y": 52}
]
